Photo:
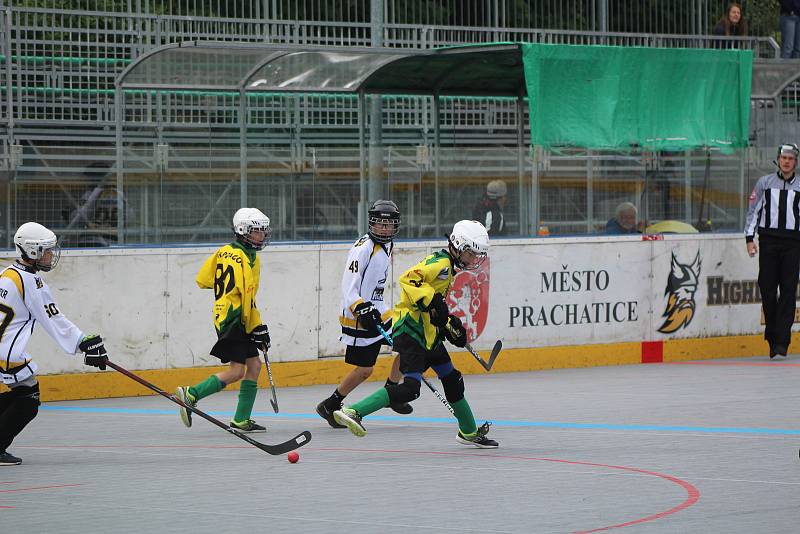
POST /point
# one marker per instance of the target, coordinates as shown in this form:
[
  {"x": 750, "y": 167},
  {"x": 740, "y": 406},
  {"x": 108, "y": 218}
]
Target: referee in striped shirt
[{"x": 774, "y": 212}]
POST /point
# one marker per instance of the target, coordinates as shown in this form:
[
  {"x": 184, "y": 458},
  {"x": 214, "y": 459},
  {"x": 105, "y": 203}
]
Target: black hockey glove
[
  {"x": 455, "y": 332},
  {"x": 260, "y": 336},
  {"x": 94, "y": 352},
  {"x": 368, "y": 316},
  {"x": 438, "y": 310}
]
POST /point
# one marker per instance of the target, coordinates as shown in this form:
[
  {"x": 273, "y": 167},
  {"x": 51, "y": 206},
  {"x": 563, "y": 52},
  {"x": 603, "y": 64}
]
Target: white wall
[{"x": 147, "y": 306}]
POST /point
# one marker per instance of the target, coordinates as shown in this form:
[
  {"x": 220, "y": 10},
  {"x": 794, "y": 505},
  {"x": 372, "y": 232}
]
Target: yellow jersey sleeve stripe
[{"x": 15, "y": 277}]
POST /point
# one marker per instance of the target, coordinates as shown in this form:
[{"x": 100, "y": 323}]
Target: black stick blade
[
  {"x": 495, "y": 353},
  {"x": 282, "y": 448}
]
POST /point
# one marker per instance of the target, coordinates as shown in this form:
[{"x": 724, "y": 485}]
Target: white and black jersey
[
  {"x": 25, "y": 300},
  {"x": 774, "y": 208},
  {"x": 363, "y": 280}
]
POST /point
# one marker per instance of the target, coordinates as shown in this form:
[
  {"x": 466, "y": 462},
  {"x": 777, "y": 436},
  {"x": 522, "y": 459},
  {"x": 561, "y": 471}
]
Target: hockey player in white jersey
[
  {"x": 363, "y": 307},
  {"x": 25, "y": 301}
]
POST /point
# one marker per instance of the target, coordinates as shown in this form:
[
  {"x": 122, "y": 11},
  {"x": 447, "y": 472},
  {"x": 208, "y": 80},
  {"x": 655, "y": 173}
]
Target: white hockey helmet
[
  {"x": 469, "y": 244},
  {"x": 248, "y": 220},
  {"x": 790, "y": 149},
  {"x": 34, "y": 241},
  {"x": 496, "y": 189}
]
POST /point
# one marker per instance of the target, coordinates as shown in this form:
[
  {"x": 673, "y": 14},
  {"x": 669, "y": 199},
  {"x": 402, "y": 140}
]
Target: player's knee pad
[
  {"x": 406, "y": 391},
  {"x": 453, "y": 385}
]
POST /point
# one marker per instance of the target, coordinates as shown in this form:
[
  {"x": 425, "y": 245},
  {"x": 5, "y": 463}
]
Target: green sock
[
  {"x": 372, "y": 403},
  {"x": 466, "y": 421},
  {"x": 247, "y": 397},
  {"x": 207, "y": 387}
]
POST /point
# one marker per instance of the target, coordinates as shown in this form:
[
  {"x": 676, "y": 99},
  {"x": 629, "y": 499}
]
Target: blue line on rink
[{"x": 400, "y": 419}]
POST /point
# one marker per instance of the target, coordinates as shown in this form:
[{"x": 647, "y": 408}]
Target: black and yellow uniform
[
  {"x": 233, "y": 273},
  {"x": 418, "y": 285}
]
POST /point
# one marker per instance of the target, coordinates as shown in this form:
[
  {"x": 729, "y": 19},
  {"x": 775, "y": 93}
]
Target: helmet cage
[
  {"x": 34, "y": 251},
  {"x": 383, "y": 212},
  {"x": 252, "y": 221},
  {"x": 469, "y": 237}
]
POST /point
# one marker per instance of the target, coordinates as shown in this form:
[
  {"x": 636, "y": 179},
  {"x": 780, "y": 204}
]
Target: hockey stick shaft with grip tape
[{"x": 281, "y": 448}]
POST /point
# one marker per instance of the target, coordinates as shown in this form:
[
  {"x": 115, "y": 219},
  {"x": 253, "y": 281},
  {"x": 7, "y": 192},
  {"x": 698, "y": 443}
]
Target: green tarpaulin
[{"x": 656, "y": 98}]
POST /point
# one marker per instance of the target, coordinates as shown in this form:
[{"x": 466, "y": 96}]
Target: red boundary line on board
[{"x": 652, "y": 351}]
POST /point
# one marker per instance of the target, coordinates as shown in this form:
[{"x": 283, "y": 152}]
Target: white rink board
[{"x": 542, "y": 292}]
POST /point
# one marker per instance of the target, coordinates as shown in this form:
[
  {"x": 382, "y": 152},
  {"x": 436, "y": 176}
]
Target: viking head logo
[{"x": 680, "y": 290}]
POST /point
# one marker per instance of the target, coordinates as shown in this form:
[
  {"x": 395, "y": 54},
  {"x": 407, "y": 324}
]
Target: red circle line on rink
[{"x": 693, "y": 494}]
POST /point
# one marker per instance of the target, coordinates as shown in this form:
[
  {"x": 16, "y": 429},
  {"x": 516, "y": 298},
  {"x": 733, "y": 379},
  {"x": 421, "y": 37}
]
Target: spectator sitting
[
  {"x": 731, "y": 24},
  {"x": 624, "y": 222},
  {"x": 489, "y": 211}
]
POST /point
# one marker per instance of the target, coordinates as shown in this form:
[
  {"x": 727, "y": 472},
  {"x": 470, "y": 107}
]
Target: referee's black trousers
[{"x": 778, "y": 271}]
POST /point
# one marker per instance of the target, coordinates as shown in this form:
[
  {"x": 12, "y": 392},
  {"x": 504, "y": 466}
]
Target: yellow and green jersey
[
  {"x": 432, "y": 275},
  {"x": 233, "y": 272}
]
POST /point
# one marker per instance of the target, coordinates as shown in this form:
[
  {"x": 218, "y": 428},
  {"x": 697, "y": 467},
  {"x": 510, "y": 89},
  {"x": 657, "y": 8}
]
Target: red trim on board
[{"x": 652, "y": 351}]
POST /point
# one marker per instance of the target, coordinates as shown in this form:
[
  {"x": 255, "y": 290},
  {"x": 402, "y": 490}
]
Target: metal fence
[{"x": 182, "y": 159}]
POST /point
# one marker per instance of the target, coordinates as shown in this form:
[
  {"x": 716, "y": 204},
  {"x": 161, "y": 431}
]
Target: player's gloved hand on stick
[
  {"x": 455, "y": 332},
  {"x": 438, "y": 310},
  {"x": 260, "y": 336},
  {"x": 94, "y": 352},
  {"x": 368, "y": 315}
]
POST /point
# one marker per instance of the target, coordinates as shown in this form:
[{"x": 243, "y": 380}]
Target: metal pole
[
  {"x": 523, "y": 200},
  {"x": 242, "y": 148},
  {"x": 376, "y": 185},
  {"x": 602, "y": 15},
  {"x": 436, "y": 147},
  {"x": 118, "y": 125},
  {"x": 9, "y": 74},
  {"x": 362, "y": 194}
]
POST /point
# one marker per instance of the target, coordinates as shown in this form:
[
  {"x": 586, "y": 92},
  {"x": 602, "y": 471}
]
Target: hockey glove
[
  {"x": 94, "y": 352},
  {"x": 367, "y": 315},
  {"x": 438, "y": 310},
  {"x": 260, "y": 336},
  {"x": 455, "y": 332}
]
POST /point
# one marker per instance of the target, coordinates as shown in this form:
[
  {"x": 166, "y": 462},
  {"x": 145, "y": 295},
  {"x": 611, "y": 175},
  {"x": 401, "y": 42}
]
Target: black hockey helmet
[{"x": 383, "y": 212}]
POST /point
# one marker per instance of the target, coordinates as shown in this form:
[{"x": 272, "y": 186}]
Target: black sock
[{"x": 334, "y": 402}]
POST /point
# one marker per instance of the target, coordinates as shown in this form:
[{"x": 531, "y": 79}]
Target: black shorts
[
  {"x": 414, "y": 358},
  {"x": 234, "y": 350},
  {"x": 363, "y": 356}
]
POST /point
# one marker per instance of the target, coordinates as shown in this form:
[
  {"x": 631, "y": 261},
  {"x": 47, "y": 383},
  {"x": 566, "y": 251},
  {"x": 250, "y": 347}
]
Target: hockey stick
[
  {"x": 274, "y": 400},
  {"x": 498, "y": 346},
  {"x": 281, "y": 448},
  {"x": 438, "y": 395},
  {"x": 430, "y": 386}
]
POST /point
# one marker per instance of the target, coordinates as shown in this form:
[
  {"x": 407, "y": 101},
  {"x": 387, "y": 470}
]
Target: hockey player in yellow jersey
[
  {"x": 233, "y": 273},
  {"x": 25, "y": 301},
  {"x": 422, "y": 322},
  {"x": 364, "y": 308}
]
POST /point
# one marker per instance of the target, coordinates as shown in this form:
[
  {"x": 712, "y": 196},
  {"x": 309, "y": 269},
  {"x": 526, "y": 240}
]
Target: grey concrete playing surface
[{"x": 707, "y": 447}]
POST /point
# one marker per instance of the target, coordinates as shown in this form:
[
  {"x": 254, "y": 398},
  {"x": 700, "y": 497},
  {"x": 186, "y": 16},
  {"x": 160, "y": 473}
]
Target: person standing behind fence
[
  {"x": 489, "y": 210},
  {"x": 790, "y": 29},
  {"x": 772, "y": 212},
  {"x": 732, "y": 24}
]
